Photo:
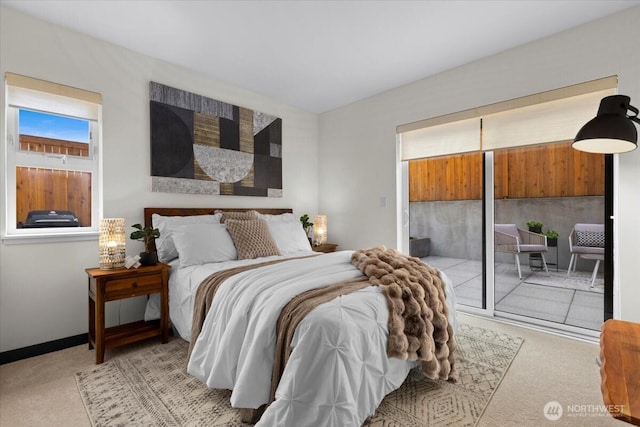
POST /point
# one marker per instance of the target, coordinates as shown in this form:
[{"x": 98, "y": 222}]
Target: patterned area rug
[
  {"x": 483, "y": 358},
  {"x": 151, "y": 388},
  {"x": 579, "y": 280}
]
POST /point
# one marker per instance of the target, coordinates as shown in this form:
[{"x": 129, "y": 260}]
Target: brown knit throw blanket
[{"x": 419, "y": 326}]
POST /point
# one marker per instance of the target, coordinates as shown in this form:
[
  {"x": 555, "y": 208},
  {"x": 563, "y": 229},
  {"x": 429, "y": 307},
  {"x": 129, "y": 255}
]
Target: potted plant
[
  {"x": 307, "y": 225},
  {"x": 552, "y": 237},
  {"x": 147, "y": 235},
  {"x": 535, "y": 226}
]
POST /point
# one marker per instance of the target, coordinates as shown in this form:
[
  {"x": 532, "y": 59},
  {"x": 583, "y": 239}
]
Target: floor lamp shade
[
  {"x": 319, "y": 230},
  {"x": 612, "y": 130},
  {"x": 111, "y": 243}
]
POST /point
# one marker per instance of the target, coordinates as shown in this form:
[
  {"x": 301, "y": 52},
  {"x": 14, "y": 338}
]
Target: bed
[{"x": 335, "y": 370}]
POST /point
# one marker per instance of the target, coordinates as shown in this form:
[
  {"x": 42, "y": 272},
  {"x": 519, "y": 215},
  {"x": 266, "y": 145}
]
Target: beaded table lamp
[
  {"x": 319, "y": 230},
  {"x": 111, "y": 243}
]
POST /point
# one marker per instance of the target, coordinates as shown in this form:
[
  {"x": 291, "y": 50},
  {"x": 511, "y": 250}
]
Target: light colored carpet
[{"x": 151, "y": 388}]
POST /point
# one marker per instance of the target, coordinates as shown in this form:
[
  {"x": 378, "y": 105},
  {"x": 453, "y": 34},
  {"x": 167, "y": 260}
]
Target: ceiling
[{"x": 319, "y": 55}]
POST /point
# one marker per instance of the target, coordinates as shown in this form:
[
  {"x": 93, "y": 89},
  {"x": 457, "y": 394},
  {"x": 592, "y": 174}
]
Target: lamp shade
[
  {"x": 612, "y": 130},
  {"x": 111, "y": 243},
  {"x": 319, "y": 230}
]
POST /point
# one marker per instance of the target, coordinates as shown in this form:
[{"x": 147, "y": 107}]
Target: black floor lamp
[{"x": 612, "y": 130}]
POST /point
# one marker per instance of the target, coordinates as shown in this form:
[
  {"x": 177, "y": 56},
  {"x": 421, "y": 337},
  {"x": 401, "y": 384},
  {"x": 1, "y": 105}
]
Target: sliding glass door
[
  {"x": 538, "y": 201},
  {"x": 478, "y": 179},
  {"x": 445, "y": 220},
  {"x": 458, "y": 203}
]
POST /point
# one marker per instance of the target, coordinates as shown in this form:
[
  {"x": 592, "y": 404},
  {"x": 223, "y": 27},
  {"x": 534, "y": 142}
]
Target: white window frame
[{"x": 14, "y": 157}]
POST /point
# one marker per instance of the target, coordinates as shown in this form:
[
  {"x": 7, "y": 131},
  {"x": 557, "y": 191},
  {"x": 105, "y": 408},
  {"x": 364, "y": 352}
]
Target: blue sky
[{"x": 52, "y": 126}]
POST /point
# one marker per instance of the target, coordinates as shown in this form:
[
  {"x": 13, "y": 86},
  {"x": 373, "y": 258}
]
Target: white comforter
[{"x": 338, "y": 371}]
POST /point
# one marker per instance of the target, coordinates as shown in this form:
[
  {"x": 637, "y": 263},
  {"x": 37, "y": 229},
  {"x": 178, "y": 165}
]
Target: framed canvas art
[{"x": 201, "y": 145}]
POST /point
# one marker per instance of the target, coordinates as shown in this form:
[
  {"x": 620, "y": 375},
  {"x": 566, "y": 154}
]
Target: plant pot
[
  {"x": 148, "y": 258},
  {"x": 552, "y": 241},
  {"x": 536, "y": 229}
]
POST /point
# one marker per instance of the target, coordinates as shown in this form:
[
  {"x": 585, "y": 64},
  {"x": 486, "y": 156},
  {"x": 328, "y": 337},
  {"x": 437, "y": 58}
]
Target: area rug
[
  {"x": 151, "y": 388},
  {"x": 579, "y": 280}
]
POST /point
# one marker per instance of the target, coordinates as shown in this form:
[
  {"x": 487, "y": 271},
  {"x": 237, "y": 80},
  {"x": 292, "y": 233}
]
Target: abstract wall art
[{"x": 203, "y": 146}]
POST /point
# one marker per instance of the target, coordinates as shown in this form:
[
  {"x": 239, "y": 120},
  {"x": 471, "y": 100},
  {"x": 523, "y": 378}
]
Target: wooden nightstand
[
  {"x": 326, "y": 247},
  {"x": 112, "y": 285}
]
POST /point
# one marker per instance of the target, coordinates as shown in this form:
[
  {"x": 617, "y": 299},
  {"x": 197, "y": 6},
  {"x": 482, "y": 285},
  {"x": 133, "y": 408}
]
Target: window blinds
[
  {"x": 461, "y": 136},
  {"x": 41, "y": 95},
  {"x": 546, "y": 117},
  {"x": 551, "y": 121}
]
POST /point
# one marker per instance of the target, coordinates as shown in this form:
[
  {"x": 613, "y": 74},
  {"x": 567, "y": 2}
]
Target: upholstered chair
[{"x": 509, "y": 238}]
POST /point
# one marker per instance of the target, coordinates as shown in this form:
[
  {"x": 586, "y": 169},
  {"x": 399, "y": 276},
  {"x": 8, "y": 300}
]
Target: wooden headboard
[{"x": 202, "y": 211}]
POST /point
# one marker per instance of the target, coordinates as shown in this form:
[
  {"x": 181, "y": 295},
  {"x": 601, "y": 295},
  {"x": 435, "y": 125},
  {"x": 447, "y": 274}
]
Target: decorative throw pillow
[
  {"x": 593, "y": 239},
  {"x": 239, "y": 215},
  {"x": 167, "y": 225},
  {"x": 203, "y": 243},
  {"x": 252, "y": 238}
]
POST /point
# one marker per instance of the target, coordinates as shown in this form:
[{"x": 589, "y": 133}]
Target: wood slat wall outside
[
  {"x": 53, "y": 189},
  {"x": 49, "y": 189},
  {"x": 455, "y": 177},
  {"x": 54, "y": 146},
  {"x": 548, "y": 170}
]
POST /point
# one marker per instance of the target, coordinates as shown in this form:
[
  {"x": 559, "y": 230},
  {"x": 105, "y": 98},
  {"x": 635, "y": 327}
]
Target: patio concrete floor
[{"x": 555, "y": 298}]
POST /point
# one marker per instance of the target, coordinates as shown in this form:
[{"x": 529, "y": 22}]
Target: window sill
[{"x": 78, "y": 236}]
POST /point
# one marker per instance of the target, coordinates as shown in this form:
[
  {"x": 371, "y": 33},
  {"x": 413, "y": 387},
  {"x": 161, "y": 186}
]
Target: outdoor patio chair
[
  {"x": 511, "y": 239},
  {"x": 587, "y": 242}
]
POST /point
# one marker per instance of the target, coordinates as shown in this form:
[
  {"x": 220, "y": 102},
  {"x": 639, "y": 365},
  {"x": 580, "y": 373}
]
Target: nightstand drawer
[{"x": 133, "y": 286}]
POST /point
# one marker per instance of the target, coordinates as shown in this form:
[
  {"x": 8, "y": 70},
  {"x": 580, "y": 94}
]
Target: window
[{"x": 52, "y": 154}]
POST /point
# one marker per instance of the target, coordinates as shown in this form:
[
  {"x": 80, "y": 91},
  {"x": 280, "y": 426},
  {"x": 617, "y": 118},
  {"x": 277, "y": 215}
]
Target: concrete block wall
[{"x": 455, "y": 228}]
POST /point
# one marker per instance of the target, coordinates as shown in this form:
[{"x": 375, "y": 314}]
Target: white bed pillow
[
  {"x": 287, "y": 232},
  {"x": 203, "y": 243},
  {"x": 167, "y": 224},
  {"x": 289, "y": 236},
  {"x": 287, "y": 216}
]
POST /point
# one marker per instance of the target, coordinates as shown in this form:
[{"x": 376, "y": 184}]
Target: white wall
[
  {"x": 43, "y": 287},
  {"x": 358, "y": 143}
]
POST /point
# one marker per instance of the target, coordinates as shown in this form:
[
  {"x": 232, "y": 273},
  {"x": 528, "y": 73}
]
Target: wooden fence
[
  {"x": 53, "y": 189},
  {"x": 548, "y": 170},
  {"x": 54, "y": 146}
]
